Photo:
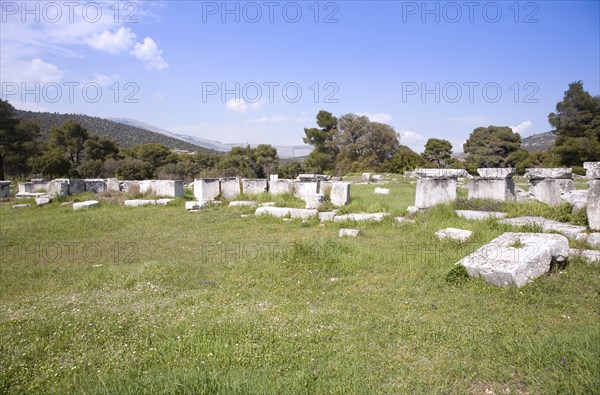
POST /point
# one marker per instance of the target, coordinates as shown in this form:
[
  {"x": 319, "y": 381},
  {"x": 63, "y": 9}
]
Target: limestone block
[
  {"x": 432, "y": 191},
  {"x": 540, "y": 173},
  {"x": 340, "y": 194},
  {"x": 4, "y": 189},
  {"x": 230, "y": 187},
  {"x": 350, "y": 232},
  {"x": 593, "y": 205},
  {"x": 592, "y": 170},
  {"x": 282, "y": 212},
  {"x": 480, "y": 215},
  {"x": 549, "y": 190},
  {"x": 381, "y": 191},
  {"x": 279, "y": 187},
  {"x": 76, "y": 186},
  {"x": 95, "y": 185},
  {"x": 314, "y": 201},
  {"x": 454, "y": 233},
  {"x": 85, "y": 205},
  {"x": 254, "y": 186},
  {"x": 206, "y": 188},
  {"x": 502, "y": 189}
]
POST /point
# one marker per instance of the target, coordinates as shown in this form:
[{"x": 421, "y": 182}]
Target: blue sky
[{"x": 429, "y": 69}]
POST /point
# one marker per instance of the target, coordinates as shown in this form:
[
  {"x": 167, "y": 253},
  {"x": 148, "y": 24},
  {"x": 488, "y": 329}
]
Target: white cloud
[
  {"x": 115, "y": 42},
  {"x": 471, "y": 120},
  {"x": 34, "y": 71},
  {"x": 379, "y": 117},
  {"x": 271, "y": 119},
  {"x": 520, "y": 128},
  {"x": 149, "y": 53},
  {"x": 411, "y": 136},
  {"x": 242, "y": 106},
  {"x": 105, "y": 80}
]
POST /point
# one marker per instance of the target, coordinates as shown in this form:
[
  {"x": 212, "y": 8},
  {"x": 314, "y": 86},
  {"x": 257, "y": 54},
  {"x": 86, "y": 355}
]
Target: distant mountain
[
  {"x": 539, "y": 142},
  {"x": 125, "y": 135},
  {"x": 284, "y": 152}
]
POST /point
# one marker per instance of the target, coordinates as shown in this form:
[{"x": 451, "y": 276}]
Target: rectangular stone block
[
  {"x": 593, "y": 205},
  {"x": 169, "y": 188},
  {"x": 539, "y": 173},
  {"x": 58, "y": 187},
  {"x": 304, "y": 189},
  {"x": 340, "y": 194},
  {"x": 254, "y": 186},
  {"x": 76, "y": 186},
  {"x": 95, "y": 185},
  {"x": 280, "y": 187},
  {"x": 148, "y": 187},
  {"x": 4, "y": 189},
  {"x": 496, "y": 172},
  {"x": 25, "y": 187},
  {"x": 502, "y": 189},
  {"x": 230, "y": 187},
  {"x": 440, "y": 173},
  {"x": 432, "y": 191},
  {"x": 131, "y": 186},
  {"x": 548, "y": 190},
  {"x": 592, "y": 170},
  {"x": 273, "y": 177},
  {"x": 206, "y": 188},
  {"x": 113, "y": 185}
]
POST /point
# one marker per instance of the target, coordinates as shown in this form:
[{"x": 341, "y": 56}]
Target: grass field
[{"x": 118, "y": 300}]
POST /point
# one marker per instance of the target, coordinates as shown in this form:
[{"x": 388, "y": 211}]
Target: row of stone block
[
  {"x": 64, "y": 187},
  {"x": 229, "y": 188}
]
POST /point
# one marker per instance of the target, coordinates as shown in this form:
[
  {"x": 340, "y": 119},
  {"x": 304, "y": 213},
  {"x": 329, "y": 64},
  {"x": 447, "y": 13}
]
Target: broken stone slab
[
  {"x": 236, "y": 203},
  {"x": 66, "y": 204},
  {"x": 196, "y": 205},
  {"x": 254, "y": 186},
  {"x": 480, "y": 215},
  {"x": 339, "y": 195},
  {"x": 381, "y": 191},
  {"x": 281, "y": 212},
  {"x": 539, "y": 173},
  {"x": 402, "y": 220},
  {"x": 314, "y": 201},
  {"x": 164, "y": 202},
  {"x": 592, "y": 256},
  {"x": 593, "y": 205},
  {"x": 592, "y": 170},
  {"x": 576, "y": 198},
  {"x": 21, "y": 205},
  {"x": 593, "y": 239},
  {"x": 496, "y": 172},
  {"x": 514, "y": 259},
  {"x": 4, "y": 189},
  {"x": 42, "y": 200},
  {"x": 138, "y": 202},
  {"x": 549, "y": 190},
  {"x": 29, "y": 195},
  {"x": 327, "y": 215},
  {"x": 350, "y": 232},
  {"x": 378, "y": 177},
  {"x": 440, "y": 173},
  {"x": 206, "y": 188},
  {"x": 360, "y": 217},
  {"x": 454, "y": 233},
  {"x": 268, "y": 204},
  {"x": 85, "y": 205},
  {"x": 433, "y": 191},
  {"x": 546, "y": 225}
]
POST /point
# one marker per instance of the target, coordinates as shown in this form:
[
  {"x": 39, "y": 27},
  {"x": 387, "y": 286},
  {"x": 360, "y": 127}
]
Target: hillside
[
  {"x": 538, "y": 142},
  {"x": 284, "y": 152},
  {"x": 125, "y": 135}
]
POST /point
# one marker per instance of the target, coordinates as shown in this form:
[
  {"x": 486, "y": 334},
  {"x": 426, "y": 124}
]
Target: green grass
[{"x": 159, "y": 300}]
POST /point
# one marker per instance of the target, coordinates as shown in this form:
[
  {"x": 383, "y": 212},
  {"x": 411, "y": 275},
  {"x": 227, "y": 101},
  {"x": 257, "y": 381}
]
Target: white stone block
[
  {"x": 432, "y": 191},
  {"x": 76, "y": 186},
  {"x": 85, "y": 205},
  {"x": 21, "y": 205},
  {"x": 196, "y": 205},
  {"x": 281, "y": 187},
  {"x": 242, "y": 203},
  {"x": 496, "y": 172},
  {"x": 412, "y": 210},
  {"x": 206, "y": 188},
  {"x": 314, "y": 201},
  {"x": 42, "y": 200},
  {"x": 454, "y": 233},
  {"x": 540, "y": 173},
  {"x": 480, "y": 215},
  {"x": 164, "y": 202},
  {"x": 339, "y": 195},
  {"x": 576, "y": 198},
  {"x": 360, "y": 217},
  {"x": 113, "y": 185},
  {"x": 501, "y": 189},
  {"x": 350, "y": 232},
  {"x": 326, "y": 215},
  {"x": 381, "y": 191},
  {"x": 514, "y": 259},
  {"x": 230, "y": 187},
  {"x": 592, "y": 170},
  {"x": 130, "y": 186},
  {"x": 440, "y": 173},
  {"x": 303, "y": 189},
  {"x": 593, "y": 239},
  {"x": 281, "y": 212},
  {"x": 139, "y": 203},
  {"x": 366, "y": 176},
  {"x": 593, "y": 205},
  {"x": 254, "y": 186},
  {"x": 549, "y": 190}
]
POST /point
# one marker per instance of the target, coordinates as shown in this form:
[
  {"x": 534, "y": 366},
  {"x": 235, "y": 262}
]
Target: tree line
[{"x": 350, "y": 143}]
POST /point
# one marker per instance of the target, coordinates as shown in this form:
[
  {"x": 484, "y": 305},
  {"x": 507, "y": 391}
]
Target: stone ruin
[
  {"x": 435, "y": 186},
  {"x": 547, "y": 185},
  {"x": 4, "y": 189},
  {"x": 493, "y": 183},
  {"x": 593, "y": 197},
  {"x": 312, "y": 192}
]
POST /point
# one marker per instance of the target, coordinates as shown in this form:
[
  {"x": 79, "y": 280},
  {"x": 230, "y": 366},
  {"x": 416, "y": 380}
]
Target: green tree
[
  {"x": 404, "y": 159},
  {"x": 155, "y": 154},
  {"x": 51, "y": 163},
  {"x": 70, "y": 138},
  {"x": 267, "y": 160},
  {"x": 438, "y": 152},
  {"x": 577, "y": 124},
  {"x": 134, "y": 169},
  {"x": 490, "y": 147},
  {"x": 17, "y": 140},
  {"x": 291, "y": 169},
  {"x": 322, "y": 158},
  {"x": 100, "y": 148},
  {"x": 362, "y": 144}
]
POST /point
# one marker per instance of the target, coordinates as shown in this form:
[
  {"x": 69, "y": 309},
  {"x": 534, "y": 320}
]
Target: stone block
[
  {"x": 314, "y": 201},
  {"x": 514, "y": 259},
  {"x": 206, "y": 188},
  {"x": 381, "y": 191},
  {"x": 281, "y": 187},
  {"x": 273, "y": 177},
  {"x": 412, "y": 210},
  {"x": 58, "y": 187},
  {"x": 95, "y": 185},
  {"x": 139, "y": 203},
  {"x": 303, "y": 189},
  {"x": 350, "y": 232},
  {"x": 496, "y": 172},
  {"x": 169, "y": 188},
  {"x": 242, "y": 203},
  {"x": 254, "y": 186},
  {"x": 85, "y": 205},
  {"x": 230, "y": 187},
  {"x": 454, "y": 233},
  {"x": 593, "y": 205},
  {"x": 21, "y": 205},
  {"x": 339, "y": 195},
  {"x": 432, "y": 191},
  {"x": 113, "y": 185},
  {"x": 164, "y": 202},
  {"x": 592, "y": 170},
  {"x": 360, "y": 217},
  {"x": 549, "y": 190},
  {"x": 131, "y": 186},
  {"x": 76, "y": 186},
  {"x": 576, "y": 198},
  {"x": 326, "y": 215},
  {"x": 539, "y": 173},
  {"x": 42, "y": 200},
  {"x": 281, "y": 212},
  {"x": 479, "y": 215},
  {"x": 4, "y": 189},
  {"x": 25, "y": 187},
  {"x": 440, "y": 173},
  {"x": 196, "y": 205},
  {"x": 366, "y": 176},
  {"x": 501, "y": 189}
]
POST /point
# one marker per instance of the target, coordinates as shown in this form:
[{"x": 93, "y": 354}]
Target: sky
[{"x": 259, "y": 72}]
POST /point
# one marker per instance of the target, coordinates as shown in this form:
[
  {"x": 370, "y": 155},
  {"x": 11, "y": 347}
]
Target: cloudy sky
[{"x": 260, "y": 71}]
